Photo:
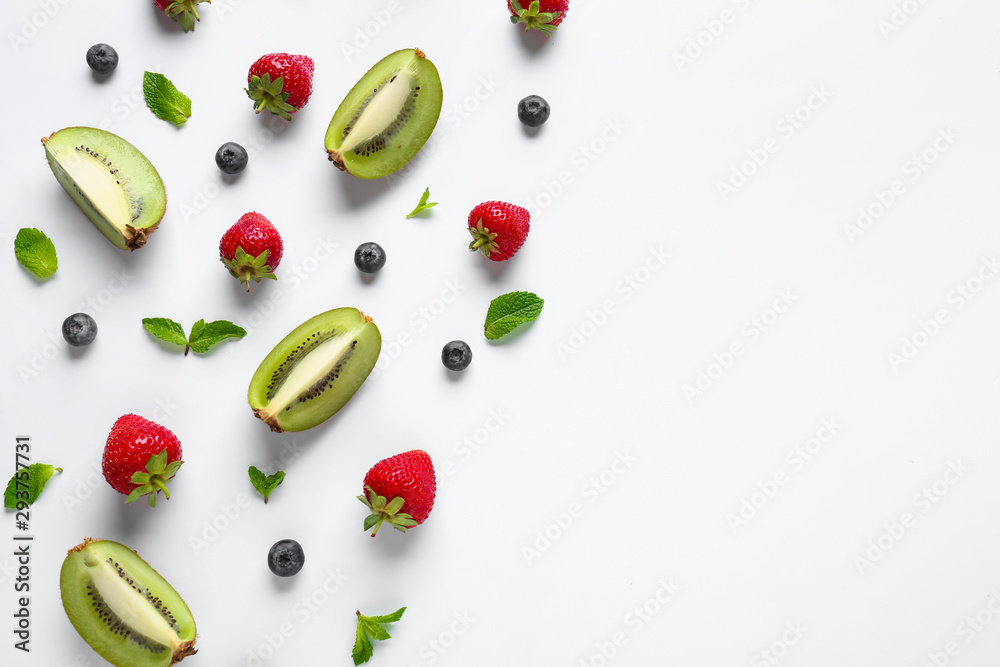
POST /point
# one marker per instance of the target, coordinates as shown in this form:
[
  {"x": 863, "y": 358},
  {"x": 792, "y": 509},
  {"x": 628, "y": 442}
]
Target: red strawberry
[
  {"x": 280, "y": 83},
  {"x": 498, "y": 229},
  {"x": 182, "y": 11},
  {"x": 543, "y": 15},
  {"x": 140, "y": 457},
  {"x": 251, "y": 249},
  {"x": 401, "y": 482}
]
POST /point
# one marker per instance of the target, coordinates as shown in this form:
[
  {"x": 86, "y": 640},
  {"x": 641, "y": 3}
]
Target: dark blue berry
[
  {"x": 369, "y": 257},
  {"x": 533, "y": 110},
  {"x": 456, "y": 355},
  {"x": 286, "y": 558},
  {"x": 79, "y": 329},
  {"x": 231, "y": 158},
  {"x": 102, "y": 58}
]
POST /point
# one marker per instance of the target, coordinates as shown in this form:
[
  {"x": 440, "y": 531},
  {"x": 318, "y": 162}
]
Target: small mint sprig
[
  {"x": 423, "y": 205},
  {"x": 203, "y": 336},
  {"x": 164, "y": 100},
  {"x": 370, "y": 627},
  {"x": 265, "y": 484},
  {"x": 27, "y": 484},
  {"x": 36, "y": 252},
  {"x": 510, "y": 310}
]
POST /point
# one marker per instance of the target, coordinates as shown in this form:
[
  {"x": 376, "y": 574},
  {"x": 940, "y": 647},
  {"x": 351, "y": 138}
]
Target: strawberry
[
  {"x": 401, "y": 482},
  {"x": 542, "y": 15},
  {"x": 182, "y": 11},
  {"x": 280, "y": 83},
  {"x": 251, "y": 249},
  {"x": 140, "y": 457},
  {"x": 498, "y": 229}
]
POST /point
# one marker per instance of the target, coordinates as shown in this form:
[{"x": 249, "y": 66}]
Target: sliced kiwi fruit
[
  {"x": 315, "y": 370},
  {"x": 387, "y": 117},
  {"x": 123, "y": 608},
  {"x": 110, "y": 180}
]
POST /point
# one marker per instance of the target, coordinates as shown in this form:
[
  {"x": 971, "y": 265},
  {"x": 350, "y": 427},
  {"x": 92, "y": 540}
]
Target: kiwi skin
[
  {"x": 126, "y": 571},
  {"x": 420, "y": 117},
  {"x": 304, "y": 380}
]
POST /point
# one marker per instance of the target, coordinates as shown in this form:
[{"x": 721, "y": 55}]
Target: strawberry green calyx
[
  {"x": 267, "y": 94},
  {"x": 383, "y": 511},
  {"x": 532, "y": 18},
  {"x": 245, "y": 267},
  {"x": 158, "y": 473},
  {"x": 483, "y": 239},
  {"x": 185, "y": 12}
]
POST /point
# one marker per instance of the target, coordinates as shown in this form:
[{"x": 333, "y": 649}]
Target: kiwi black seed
[
  {"x": 123, "y": 608},
  {"x": 315, "y": 370},
  {"x": 110, "y": 180},
  {"x": 387, "y": 116}
]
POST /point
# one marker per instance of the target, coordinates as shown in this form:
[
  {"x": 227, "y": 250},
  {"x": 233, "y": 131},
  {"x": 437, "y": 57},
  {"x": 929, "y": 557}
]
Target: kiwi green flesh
[
  {"x": 123, "y": 608},
  {"x": 315, "y": 370},
  {"x": 387, "y": 117},
  {"x": 110, "y": 180}
]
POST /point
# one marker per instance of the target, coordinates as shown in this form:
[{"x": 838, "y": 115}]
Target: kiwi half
[
  {"x": 315, "y": 370},
  {"x": 110, "y": 180},
  {"x": 123, "y": 608},
  {"x": 387, "y": 117}
]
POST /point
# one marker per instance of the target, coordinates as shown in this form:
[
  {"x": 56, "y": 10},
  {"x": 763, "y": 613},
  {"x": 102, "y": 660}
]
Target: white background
[{"x": 599, "y": 377}]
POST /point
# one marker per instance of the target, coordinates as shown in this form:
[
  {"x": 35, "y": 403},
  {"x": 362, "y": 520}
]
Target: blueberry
[
  {"x": 102, "y": 58},
  {"x": 369, "y": 257},
  {"x": 231, "y": 158},
  {"x": 456, "y": 355},
  {"x": 533, "y": 110},
  {"x": 286, "y": 558},
  {"x": 79, "y": 329}
]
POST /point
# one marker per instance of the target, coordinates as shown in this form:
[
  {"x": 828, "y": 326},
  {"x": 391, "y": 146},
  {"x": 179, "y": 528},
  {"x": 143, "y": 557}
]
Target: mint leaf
[
  {"x": 27, "y": 484},
  {"x": 371, "y": 626},
  {"x": 165, "y": 329},
  {"x": 509, "y": 310},
  {"x": 36, "y": 252},
  {"x": 205, "y": 336},
  {"x": 423, "y": 205},
  {"x": 265, "y": 484},
  {"x": 164, "y": 100}
]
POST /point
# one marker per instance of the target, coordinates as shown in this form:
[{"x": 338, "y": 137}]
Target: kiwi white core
[
  {"x": 381, "y": 111},
  {"x": 313, "y": 367},
  {"x": 129, "y": 604},
  {"x": 105, "y": 193}
]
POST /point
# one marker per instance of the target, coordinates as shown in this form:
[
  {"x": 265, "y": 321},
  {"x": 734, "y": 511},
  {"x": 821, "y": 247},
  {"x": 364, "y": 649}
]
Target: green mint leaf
[
  {"x": 27, "y": 484},
  {"x": 209, "y": 335},
  {"x": 36, "y": 252},
  {"x": 372, "y": 625},
  {"x": 165, "y": 329},
  {"x": 265, "y": 484},
  {"x": 423, "y": 205},
  {"x": 164, "y": 100},
  {"x": 509, "y": 310}
]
